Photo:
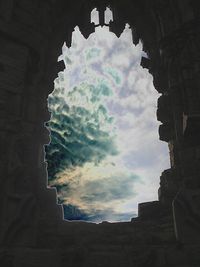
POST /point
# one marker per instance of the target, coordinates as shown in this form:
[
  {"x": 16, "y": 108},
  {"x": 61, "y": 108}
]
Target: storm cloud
[{"x": 79, "y": 133}]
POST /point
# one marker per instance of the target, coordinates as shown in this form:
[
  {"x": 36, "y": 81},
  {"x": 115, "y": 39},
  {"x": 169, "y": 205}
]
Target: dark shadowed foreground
[{"x": 32, "y": 230}]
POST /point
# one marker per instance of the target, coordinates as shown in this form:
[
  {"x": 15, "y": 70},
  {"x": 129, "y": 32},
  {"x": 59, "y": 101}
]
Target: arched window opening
[
  {"x": 95, "y": 17},
  {"x": 105, "y": 156},
  {"x": 101, "y": 17}
]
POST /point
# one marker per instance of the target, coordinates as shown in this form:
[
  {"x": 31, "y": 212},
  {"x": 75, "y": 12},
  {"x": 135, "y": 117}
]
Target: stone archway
[
  {"x": 64, "y": 161},
  {"x": 32, "y": 34}
]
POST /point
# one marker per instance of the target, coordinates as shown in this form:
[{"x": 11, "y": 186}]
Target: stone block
[
  {"x": 166, "y": 132},
  {"x": 148, "y": 209},
  {"x": 35, "y": 258},
  {"x": 6, "y": 9}
]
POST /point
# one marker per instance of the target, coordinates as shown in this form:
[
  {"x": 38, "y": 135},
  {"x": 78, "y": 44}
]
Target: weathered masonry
[{"x": 32, "y": 230}]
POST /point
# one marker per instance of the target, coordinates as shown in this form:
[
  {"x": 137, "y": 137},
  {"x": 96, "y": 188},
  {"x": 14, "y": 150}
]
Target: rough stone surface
[{"x": 32, "y": 230}]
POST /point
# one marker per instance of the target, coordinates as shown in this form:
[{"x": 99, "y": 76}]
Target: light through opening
[{"x": 105, "y": 156}]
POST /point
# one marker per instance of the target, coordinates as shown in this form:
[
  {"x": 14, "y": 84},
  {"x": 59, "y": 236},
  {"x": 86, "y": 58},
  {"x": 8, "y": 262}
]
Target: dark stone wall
[{"x": 32, "y": 230}]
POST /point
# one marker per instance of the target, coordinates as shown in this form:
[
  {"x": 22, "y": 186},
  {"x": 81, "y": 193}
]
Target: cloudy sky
[{"x": 105, "y": 156}]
